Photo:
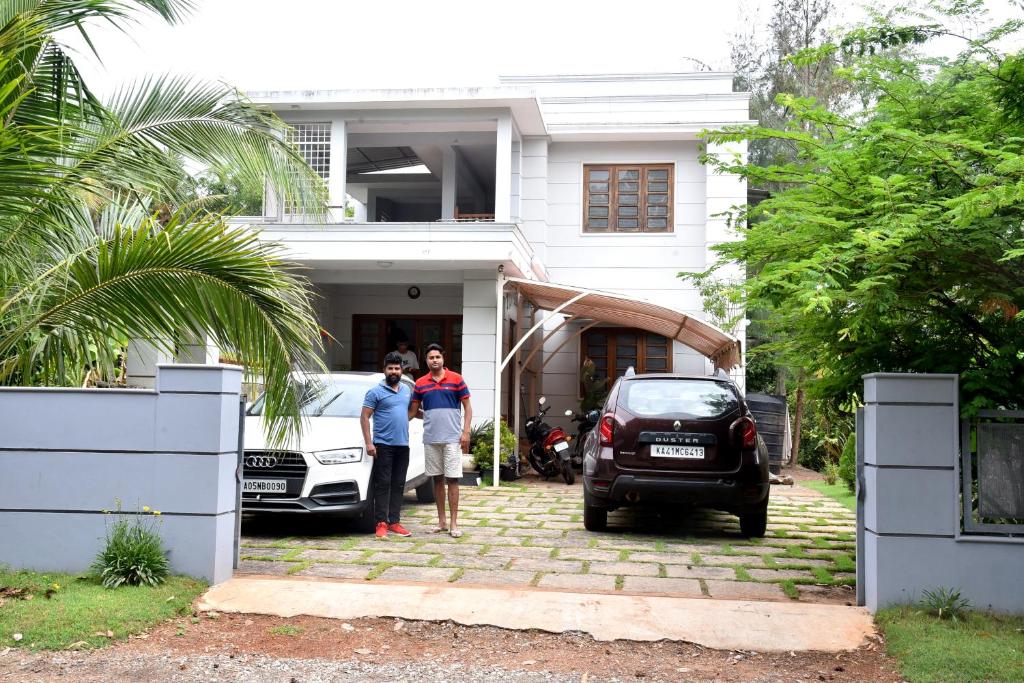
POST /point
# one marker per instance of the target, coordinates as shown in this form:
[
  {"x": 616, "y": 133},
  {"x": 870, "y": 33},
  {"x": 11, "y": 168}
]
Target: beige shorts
[{"x": 443, "y": 458}]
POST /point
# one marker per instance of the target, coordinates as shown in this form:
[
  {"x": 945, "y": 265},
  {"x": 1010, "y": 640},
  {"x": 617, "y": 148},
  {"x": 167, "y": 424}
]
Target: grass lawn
[
  {"x": 980, "y": 647},
  {"x": 78, "y": 609},
  {"x": 837, "y": 491}
]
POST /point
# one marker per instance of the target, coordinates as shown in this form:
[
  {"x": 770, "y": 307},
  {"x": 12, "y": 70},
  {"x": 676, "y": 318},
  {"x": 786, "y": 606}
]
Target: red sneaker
[
  {"x": 382, "y": 529},
  {"x": 397, "y": 528}
]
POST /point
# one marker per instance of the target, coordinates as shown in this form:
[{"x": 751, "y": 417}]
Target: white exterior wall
[
  {"x": 644, "y": 266},
  {"x": 338, "y": 303}
]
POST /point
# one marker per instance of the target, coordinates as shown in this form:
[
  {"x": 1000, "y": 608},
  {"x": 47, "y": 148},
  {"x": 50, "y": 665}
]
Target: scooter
[
  {"x": 587, "y": 421},
  {"x": 549, "y": 447}
]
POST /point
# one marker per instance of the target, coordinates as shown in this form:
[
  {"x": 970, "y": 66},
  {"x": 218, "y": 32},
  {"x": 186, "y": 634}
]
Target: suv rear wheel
[
  {"x": 594, "y": 518},
  {"x": 425, "y": 491},
  {"x": 754, "y": 524}
]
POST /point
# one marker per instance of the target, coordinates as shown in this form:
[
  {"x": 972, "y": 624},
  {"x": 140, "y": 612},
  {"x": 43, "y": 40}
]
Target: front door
[{"x": 373, "y": 336}]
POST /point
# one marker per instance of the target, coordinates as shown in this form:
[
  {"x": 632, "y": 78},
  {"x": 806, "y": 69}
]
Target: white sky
[{"x": 324, "y": 44}]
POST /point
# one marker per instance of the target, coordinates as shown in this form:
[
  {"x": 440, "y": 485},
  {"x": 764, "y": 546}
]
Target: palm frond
[{"x": 195, "y": 276}]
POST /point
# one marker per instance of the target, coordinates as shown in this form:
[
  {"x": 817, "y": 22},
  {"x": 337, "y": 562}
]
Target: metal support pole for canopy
[
  {"x": 540, "y": 323},
  {"x": 566, "y": 341},
  {"x": 499, "y": 314}
]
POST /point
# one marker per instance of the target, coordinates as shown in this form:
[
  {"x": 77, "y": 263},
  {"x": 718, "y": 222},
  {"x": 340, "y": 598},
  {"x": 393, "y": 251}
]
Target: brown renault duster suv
[{"x": 666, "y": 439}]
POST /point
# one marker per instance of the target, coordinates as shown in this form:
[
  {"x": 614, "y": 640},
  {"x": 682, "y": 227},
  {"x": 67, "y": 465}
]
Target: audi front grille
[{"x": 267, "y": 464}]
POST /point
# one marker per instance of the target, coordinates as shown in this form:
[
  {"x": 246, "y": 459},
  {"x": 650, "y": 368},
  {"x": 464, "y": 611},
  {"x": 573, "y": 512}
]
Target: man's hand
[
  {"x": 371, "y": 450},
  {"x": 464, "y": 442}
]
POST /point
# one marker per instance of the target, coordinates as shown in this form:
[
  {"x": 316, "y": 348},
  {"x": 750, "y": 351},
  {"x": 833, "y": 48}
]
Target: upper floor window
[
  {"x": 313, "y": 141},
  {"x": 627, "y": 198}
]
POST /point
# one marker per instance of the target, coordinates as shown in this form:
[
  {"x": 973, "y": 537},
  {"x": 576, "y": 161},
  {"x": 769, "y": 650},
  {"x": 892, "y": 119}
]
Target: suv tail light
[
  {"x": 607, "y": 429},
  {"x": 747, "y": 432}
]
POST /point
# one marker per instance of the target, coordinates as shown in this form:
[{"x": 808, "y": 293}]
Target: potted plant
[{"x": 482, "y": 448}]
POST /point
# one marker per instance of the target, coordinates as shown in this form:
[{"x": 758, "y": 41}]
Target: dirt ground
[{"x": 192, "y": 641}]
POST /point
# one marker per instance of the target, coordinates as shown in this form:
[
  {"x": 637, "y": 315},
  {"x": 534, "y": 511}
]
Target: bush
[
  {"x": 945, "y": 603},
  {"x": 482, "y": 447},
  {"x": 831, "y": 472},
  {"x": 848, "y": 463},
  {"x": 134, "y": 554}
]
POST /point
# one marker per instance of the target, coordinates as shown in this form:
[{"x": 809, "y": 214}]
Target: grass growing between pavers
[
  {"x": 979, "y": 647},
  {"x": 80, "y": 612}
]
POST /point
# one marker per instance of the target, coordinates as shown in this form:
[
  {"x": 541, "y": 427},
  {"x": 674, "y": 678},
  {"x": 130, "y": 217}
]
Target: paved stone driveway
[{"x": 533, "y": 535}]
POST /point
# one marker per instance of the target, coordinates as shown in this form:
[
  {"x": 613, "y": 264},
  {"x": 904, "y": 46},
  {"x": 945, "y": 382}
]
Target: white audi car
[{"x": 327, "y": 471}]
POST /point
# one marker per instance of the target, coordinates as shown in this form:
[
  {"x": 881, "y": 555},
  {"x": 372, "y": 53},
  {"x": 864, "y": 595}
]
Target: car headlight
[{"x": 339, "y": 456}]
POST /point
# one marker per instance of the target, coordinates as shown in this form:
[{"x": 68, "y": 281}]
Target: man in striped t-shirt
[{"x": 444, "y": 397}]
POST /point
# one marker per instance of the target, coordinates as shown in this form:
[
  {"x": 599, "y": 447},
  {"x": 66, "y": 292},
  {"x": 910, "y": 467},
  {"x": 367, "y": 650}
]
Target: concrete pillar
[
  {"x": 503, "y": 170},
  {"x": 338, "y": 174},
  {"x": 197, "y": 351},
  {"x": 910, "y": 488},
  {"x": 479, "y": 312},
  {"x": 449, "y": 182},
  {"x": 533, "y": 203},
  {"x": 142, "y": 359}
]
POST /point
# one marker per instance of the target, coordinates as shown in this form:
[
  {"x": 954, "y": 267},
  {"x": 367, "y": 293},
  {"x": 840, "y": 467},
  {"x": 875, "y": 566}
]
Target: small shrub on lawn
[
  {"x": 945, "y": 603},
  {"x": 134, "y": 554},
  {"x": 831, "y": 472}
]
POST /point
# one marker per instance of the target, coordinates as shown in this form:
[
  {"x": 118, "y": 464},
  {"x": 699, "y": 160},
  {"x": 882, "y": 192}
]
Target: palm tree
[{"x": 86, "y": 263}]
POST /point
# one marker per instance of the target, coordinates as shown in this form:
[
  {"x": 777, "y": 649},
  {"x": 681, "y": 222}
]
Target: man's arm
[
  {"x": 364, "y": 422},
  {"x": 414, "y": 408},
  {"x": 467, "y": 421}
]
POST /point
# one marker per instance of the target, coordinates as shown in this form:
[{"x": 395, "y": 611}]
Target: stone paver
[
  {"x": 428, "y": 574},
  {"x": 534, "y": 565},
  {"x": 778, "y": 574},
  {"x": 499, "y": 578},
  {"x": 678, "y": 571},
  {"x": 744, "y": 590},
  {"x": 533, "y": 536},
  {"x": 331, "y": 555},
  {"x": 624, "y": 568},
  {"x": 336, "y": 571},
  {"x": 585, "y": 582},
  {"x": 260, "y": 567},
  {"x": 689, "y": 588},
  {"x": 402, "y": 558},
  {"x": 732, "y": 559}
]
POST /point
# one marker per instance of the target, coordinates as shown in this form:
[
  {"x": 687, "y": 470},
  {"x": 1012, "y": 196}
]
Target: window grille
[{"x": 313, "y": 141}]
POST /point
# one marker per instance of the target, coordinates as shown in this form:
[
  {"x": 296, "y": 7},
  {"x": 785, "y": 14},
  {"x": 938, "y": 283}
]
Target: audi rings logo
[{"x": 261, "y": 461}]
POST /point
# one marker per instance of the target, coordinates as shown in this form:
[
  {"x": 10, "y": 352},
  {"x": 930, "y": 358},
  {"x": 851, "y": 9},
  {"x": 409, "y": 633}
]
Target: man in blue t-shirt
[{"x": 388, "y": 404}]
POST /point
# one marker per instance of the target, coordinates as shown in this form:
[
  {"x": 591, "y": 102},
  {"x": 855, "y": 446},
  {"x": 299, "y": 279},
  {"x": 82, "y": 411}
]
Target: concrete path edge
[{"x": 717, "y": 624}]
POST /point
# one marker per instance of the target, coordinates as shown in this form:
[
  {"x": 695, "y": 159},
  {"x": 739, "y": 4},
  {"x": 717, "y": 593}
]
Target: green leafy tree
[
  {"x": 87, "y": 260},
  {"x": 897, "y": 243}
]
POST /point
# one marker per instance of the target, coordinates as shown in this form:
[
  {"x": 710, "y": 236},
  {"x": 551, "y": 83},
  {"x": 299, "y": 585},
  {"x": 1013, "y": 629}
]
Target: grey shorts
[{"x": 443, "y": 458}]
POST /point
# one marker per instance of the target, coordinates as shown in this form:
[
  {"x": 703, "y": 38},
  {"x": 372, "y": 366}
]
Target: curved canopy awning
[{"x": 722, "y": 348}]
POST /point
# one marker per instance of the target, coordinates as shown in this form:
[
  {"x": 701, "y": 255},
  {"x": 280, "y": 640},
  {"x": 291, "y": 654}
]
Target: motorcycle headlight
[{"x": 339, "y": 456}]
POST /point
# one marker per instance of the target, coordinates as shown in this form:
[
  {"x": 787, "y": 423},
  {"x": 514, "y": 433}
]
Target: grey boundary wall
[
  {"x": 910, "y": 493},
  {"x": 67, "y": 454}
]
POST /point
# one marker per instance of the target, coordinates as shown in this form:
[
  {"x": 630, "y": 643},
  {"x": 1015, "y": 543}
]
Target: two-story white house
[{"x": 499, "y": 203}]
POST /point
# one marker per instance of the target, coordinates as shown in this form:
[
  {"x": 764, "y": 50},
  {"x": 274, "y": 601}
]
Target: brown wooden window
[
  {"x": 613, "y": 350},
  {"x": 627, "y": 198}
]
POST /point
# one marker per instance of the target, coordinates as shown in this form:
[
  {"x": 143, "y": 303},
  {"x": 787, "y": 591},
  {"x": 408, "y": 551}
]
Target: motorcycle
[
  {"x": 549, "y": 447},
  {"x": 587, "y": 421}
]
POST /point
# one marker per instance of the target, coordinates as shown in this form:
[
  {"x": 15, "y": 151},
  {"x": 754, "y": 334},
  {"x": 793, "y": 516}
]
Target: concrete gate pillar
[{"x": 909, "y": 485}]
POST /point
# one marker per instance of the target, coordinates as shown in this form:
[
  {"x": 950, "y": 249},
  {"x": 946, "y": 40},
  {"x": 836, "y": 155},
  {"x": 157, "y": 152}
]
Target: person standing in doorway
[
  {"x": 410, "y": 364},
  {"x": 388, "y": 404},
  {"x": 447, "y": 414}
]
